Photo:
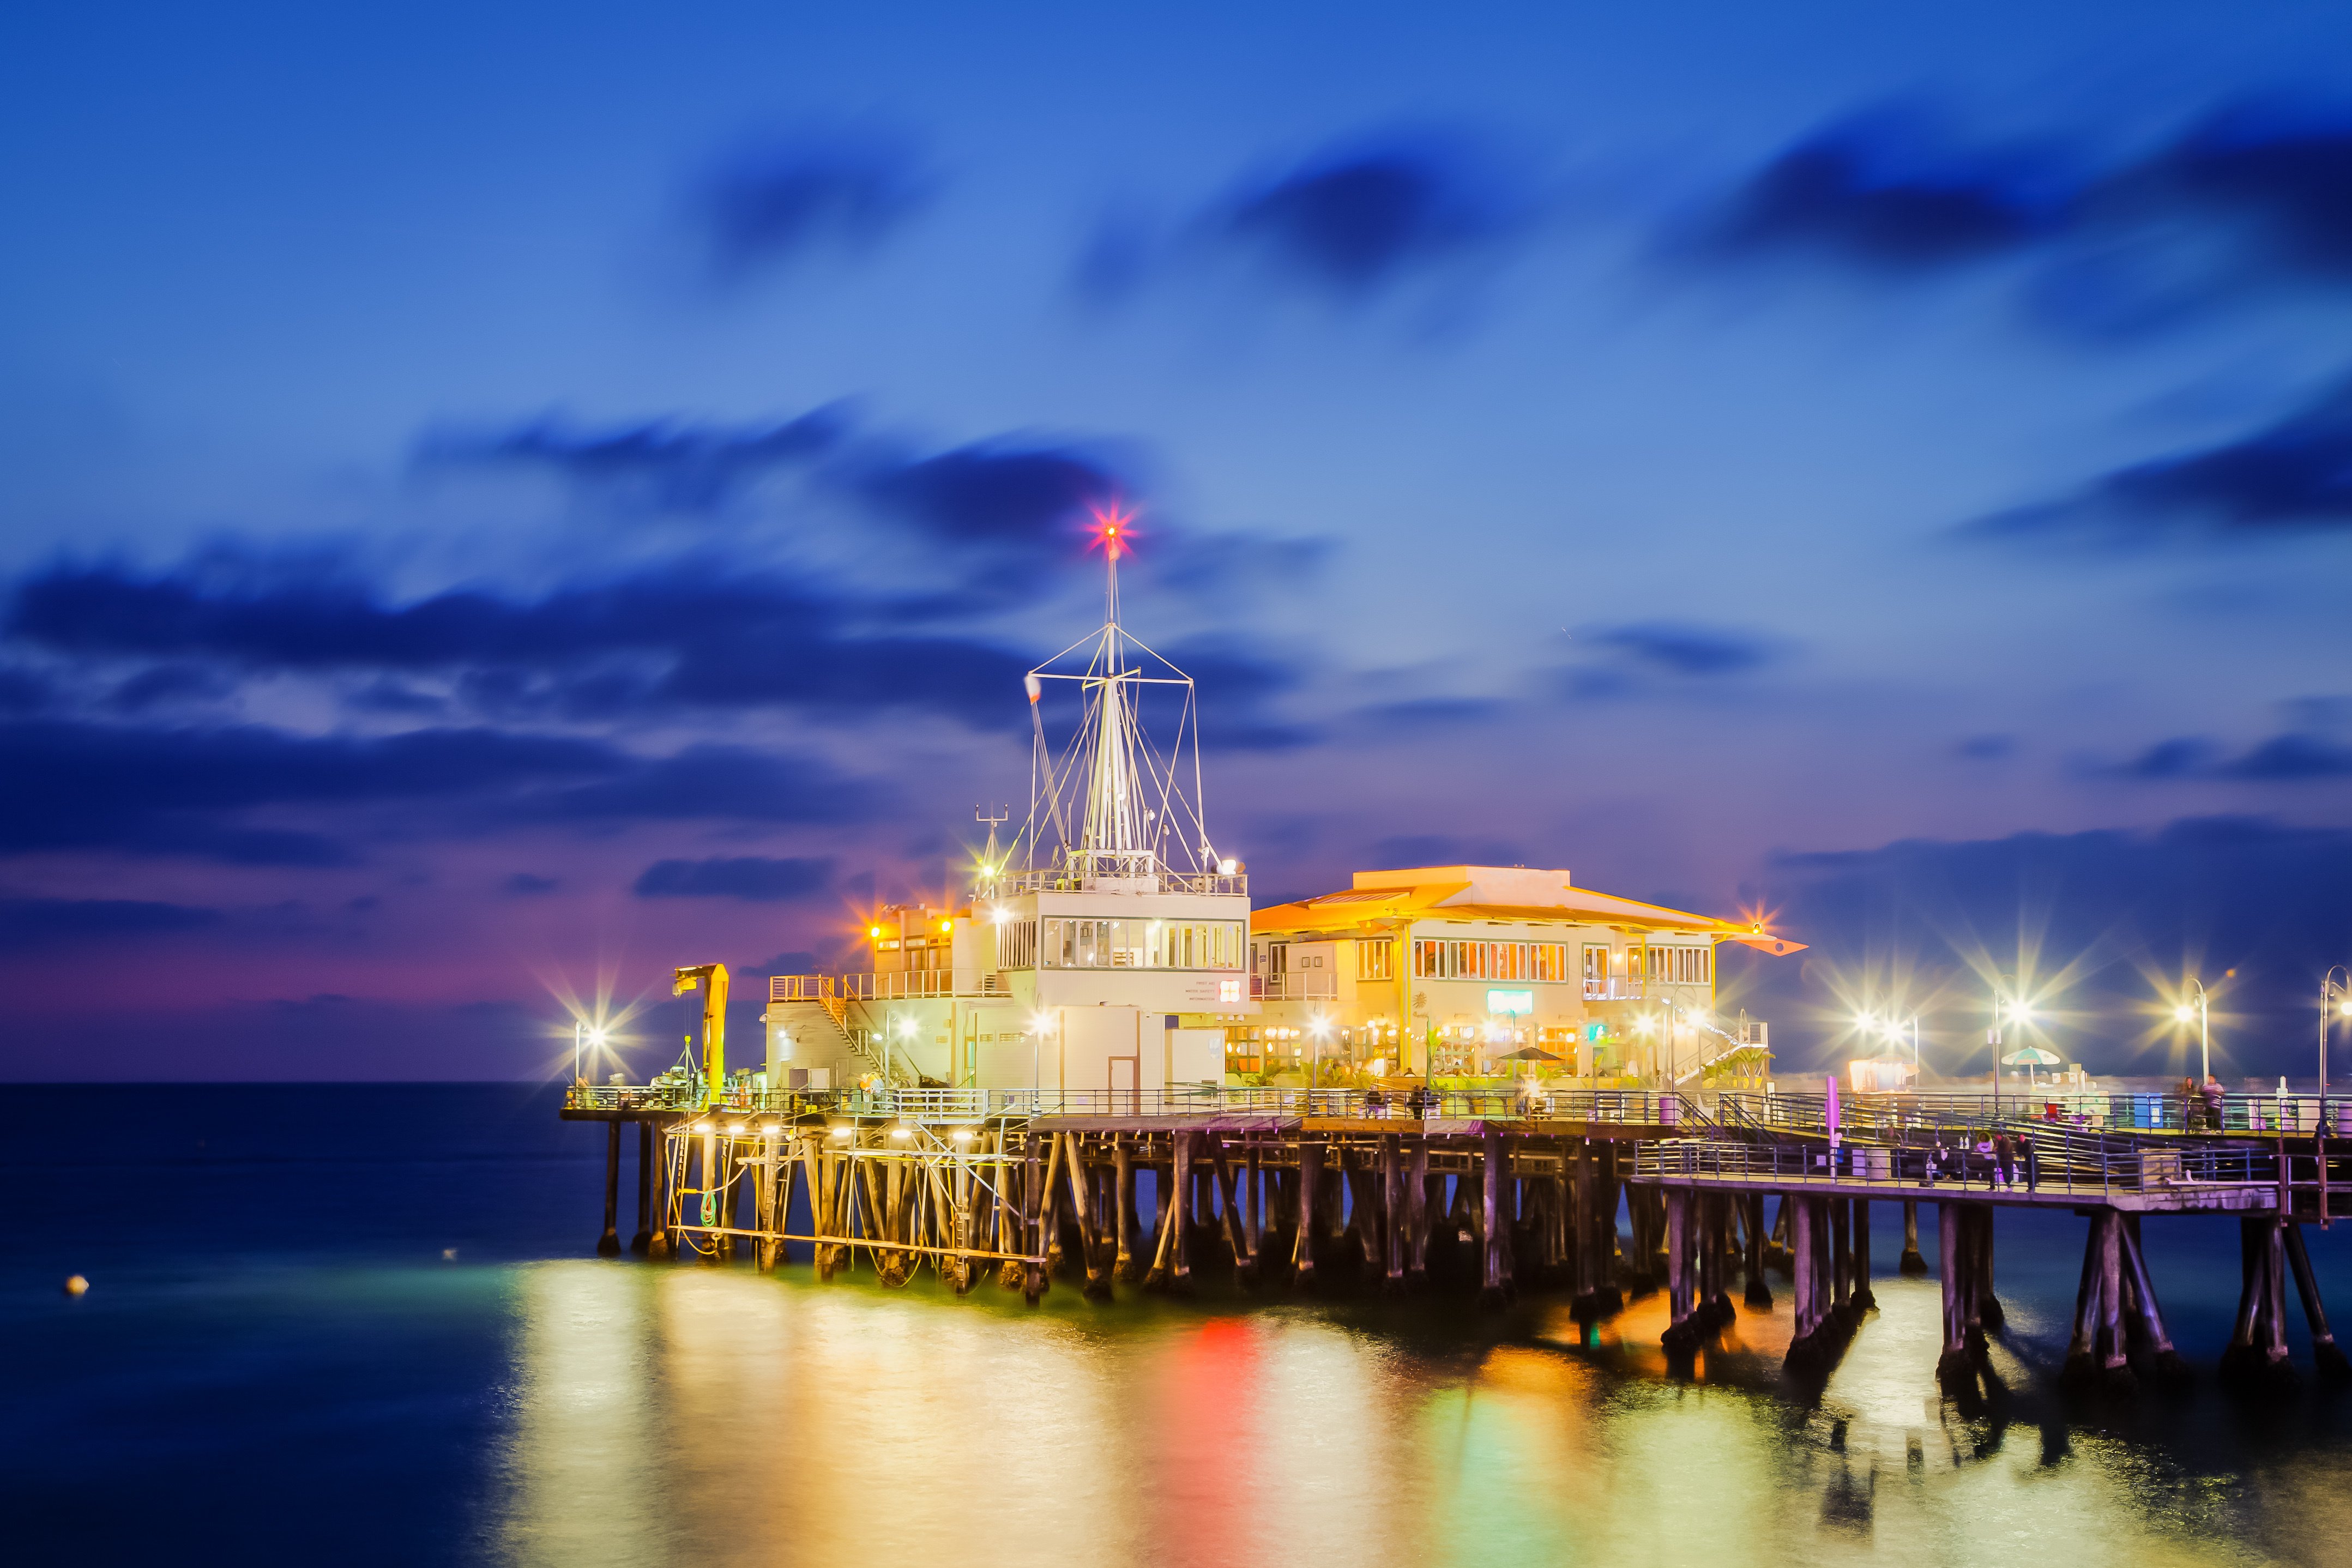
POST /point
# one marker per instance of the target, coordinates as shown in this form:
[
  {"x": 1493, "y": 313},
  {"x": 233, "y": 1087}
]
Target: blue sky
[{"x": 1890, "y": 468}]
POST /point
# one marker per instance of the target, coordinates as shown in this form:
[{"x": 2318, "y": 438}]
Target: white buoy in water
[{"x": 76, "y": 1285}]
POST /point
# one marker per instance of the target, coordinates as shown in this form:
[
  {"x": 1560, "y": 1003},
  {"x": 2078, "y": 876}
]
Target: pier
[{"x": 1596, "y": 1194}]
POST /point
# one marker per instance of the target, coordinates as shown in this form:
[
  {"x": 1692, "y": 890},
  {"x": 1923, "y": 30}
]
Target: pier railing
[
  {"x": 1896, "y": 1116},
  {"x": 2062, "y": 1163},
  {"x": 1644, "y": 1107}
]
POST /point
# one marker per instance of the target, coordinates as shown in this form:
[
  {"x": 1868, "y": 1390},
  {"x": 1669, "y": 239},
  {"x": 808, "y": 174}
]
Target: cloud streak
[{"x": 781, "y": 200}]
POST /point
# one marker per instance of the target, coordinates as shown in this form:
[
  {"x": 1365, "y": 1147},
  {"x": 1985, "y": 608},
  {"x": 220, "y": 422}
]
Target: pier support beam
[
  {"x": 1033, "y": 1202},
  {"x": 1495, "y": 1282},
  {"x": 609, "y": 1244},
  {"x": 1682, "y": 1334},
  {"x": 1760, "y": 1289},
  {"x": 1417, "y": 1211},
  {"x": 2165, "y": 1361},
  {"x": 1911, "y": 1263},
  {"x": 1806, "y": 1352},
  {"x": 2325, "y": 1353},
  {"x": 1865, "y": 1297},
  {"x": 642, "y": 1241},
  {"x": 1955, "y": 1367},
  {"x": 1302, "y": 1261},
  {"x": 2258, "y": 1345},
  {"x": 1841, "y": 1260},
  {"x": 1123, "y": 1163}
]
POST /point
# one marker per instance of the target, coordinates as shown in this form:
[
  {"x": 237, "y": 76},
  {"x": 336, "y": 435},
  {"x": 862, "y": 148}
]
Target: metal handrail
[
  {"x": 2125, "y": 1111},
  {"x": 1644, "y": 1107},
  {"x": 2068, "y": 1164}
]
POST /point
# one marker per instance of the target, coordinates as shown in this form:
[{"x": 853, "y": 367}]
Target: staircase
[{"x": 813, "y": 1008}]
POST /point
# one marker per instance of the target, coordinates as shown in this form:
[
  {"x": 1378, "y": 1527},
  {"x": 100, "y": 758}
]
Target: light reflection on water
[{"x": 682, "y": 1414}]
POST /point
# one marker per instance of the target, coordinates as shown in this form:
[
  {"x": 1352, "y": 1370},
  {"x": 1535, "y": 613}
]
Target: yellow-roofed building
[{"x": 1487, "y": 971}]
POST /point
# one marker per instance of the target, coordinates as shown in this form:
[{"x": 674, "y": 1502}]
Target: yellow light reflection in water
[{"x": 711, "y": 1415}]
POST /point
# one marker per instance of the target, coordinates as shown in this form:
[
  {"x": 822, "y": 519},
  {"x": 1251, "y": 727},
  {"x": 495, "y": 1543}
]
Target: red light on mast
[{"x": 1112, "y": 530}]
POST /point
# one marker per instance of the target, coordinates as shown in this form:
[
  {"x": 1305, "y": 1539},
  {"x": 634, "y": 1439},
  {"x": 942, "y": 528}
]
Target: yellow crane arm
[{"x": 712, "y": 979}]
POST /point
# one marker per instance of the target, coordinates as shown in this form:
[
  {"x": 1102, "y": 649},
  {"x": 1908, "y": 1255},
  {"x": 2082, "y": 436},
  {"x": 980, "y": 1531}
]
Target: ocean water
[{"x": 358, "y": 1325}]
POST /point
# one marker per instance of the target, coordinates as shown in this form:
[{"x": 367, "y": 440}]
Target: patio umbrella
[
  {"x": 1529, "y": 1054},
  {"x": 2029, "y": 1058}
]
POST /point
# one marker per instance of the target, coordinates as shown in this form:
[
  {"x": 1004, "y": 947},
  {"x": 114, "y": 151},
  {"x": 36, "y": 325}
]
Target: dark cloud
[
  {"x": 1006, "y": 509},
  {"x": 190, "y": 791},
  {"x": 1676, "y": 649},
  {"x": 2227, "y": 207},
  {"x": 1013, "y": 507},
  {"x": 1350, "y": 221},
  {"x": 2293, "y": 475},
  {"x": 2292, "y": 758},
  {"x": 2286, "y": 167},
  {"x": 30, "y": 923},
  {"x": 754, "y": 877},
  {"x": 1885, "y": 191},
  {"x": 528, "y": 885},
  {"x": 1346, "y": 224},
  {"x": 774, "y": 202},
  {"x": 672, "y": 635},
  {"x": 2125, "y": 908},
  {"x": 660, "y": 466}
]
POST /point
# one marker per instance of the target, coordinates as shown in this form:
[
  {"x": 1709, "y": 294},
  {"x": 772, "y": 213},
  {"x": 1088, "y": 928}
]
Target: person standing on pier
[{"x": 2004, "y": 1161}]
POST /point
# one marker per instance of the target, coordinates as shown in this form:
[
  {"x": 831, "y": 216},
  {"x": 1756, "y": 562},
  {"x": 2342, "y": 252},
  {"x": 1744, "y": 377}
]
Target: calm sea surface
[{"x": 365, "y": 1325}]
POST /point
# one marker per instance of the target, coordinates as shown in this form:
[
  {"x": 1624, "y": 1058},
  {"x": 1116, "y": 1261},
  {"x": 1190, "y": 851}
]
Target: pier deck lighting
[
  {"x": 963, "y": 1134},
  {"x": 902, "y": 1132},
  {"x": 874, "y": 931},
  {"x": 841, "y": 1132}
]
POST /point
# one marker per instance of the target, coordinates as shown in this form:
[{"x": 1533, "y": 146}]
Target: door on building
[{"x": 1127, "y": 1086}]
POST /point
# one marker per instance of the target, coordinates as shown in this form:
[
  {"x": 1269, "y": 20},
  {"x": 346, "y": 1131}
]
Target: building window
[
  {"x": 1375, "y": 959},
  {"x": 1143, "y": 945},
  {"x": 1017, "y": 945}
]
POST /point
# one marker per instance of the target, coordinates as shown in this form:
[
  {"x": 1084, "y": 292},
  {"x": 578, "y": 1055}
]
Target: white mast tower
[{"x": 1124, "y": 817}]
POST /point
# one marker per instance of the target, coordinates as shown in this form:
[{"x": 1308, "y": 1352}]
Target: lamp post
[
  {"x": 2205, "y": 1028},
  {"x": 2339, "y": 992},
  {"x": 581, "y": 1033}
]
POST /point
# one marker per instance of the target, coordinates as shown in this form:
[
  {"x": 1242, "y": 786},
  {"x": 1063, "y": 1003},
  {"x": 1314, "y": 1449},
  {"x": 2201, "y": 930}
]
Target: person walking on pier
[
  {"x": 2212, "y": 1094},
  {"x": 2004, "y": 1161}
]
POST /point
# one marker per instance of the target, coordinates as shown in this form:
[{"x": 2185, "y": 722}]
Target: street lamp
[
  {"x": 581, "y": 1033},
  {"x": 2205, "y": 1028},
  {"x": 2340, "y": 993}
]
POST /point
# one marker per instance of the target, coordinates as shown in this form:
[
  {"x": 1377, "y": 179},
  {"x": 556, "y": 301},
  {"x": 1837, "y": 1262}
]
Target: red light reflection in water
[{"x": 1207, "y": 1504}]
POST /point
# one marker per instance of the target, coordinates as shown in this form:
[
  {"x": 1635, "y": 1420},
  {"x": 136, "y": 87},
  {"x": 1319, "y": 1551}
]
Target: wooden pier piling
[
  {"x": 1864, "y": 1299},
  {"x": 1911, "y": 1263},
  {"x": 2326, "y": 1355},
  {"x": 609, "y": 1244}
]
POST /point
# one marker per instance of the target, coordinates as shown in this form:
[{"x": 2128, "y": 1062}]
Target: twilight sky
[{"x": 497, "y": 501}]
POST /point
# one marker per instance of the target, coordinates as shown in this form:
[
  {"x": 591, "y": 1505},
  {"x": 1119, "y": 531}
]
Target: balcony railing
[
  {"x": 1062, "y": 879},
  {"x": 1298, "y": 985},
  {"x": 888, "y": 986}
]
